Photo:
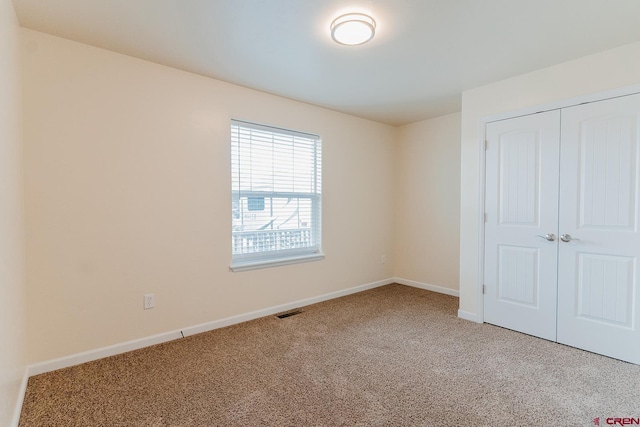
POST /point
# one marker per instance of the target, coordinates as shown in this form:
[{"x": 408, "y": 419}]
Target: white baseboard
[
  {"x": 88, "y": 356},
  {"x": 100, "y": 353},
  {"x": 426, "y": 286},
  {"x": 21, "y": 393},
  {"x": 216, "y": 324},
  {"x": 473, "y": 317}
]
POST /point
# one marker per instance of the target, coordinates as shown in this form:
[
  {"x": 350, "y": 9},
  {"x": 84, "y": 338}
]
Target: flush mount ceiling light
[{"x": 353, "y": 29}]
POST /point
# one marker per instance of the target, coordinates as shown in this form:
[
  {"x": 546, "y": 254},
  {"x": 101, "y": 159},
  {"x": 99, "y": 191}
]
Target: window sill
[{"x": 255, "y": 265}]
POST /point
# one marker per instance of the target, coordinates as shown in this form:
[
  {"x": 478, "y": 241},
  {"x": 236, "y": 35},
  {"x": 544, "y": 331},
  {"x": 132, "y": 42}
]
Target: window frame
[{"x": 281, "y": 256}]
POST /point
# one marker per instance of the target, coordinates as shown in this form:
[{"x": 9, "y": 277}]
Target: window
[{"x": 276, "y": 196}]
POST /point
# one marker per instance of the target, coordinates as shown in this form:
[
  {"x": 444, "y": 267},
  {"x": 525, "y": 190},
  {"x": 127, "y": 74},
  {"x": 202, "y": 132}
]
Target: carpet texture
[{"x": 391, "y": 356}]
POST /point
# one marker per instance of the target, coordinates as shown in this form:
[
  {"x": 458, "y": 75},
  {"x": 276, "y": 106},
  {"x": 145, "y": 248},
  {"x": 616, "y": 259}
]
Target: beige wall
[
  {"x": 427, "y": 203},
  {"x": 604, "y": 71},
  {"x": 127, "y": 192},
  {"x": 12, "y": 282}
]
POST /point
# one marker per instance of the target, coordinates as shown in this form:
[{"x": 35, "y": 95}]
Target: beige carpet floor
[{"x": 391, "y": 356}]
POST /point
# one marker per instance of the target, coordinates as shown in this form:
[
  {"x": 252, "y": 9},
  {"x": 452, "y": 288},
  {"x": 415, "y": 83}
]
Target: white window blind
[{"x": 276, "y": 195}]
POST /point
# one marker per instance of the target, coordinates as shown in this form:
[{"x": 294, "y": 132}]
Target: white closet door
[
  {"x": 598, "y": 288},
  {"x": 522, "y": 206}
]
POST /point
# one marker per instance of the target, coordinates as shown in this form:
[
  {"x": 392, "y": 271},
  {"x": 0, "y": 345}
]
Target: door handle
[
  {"x": 549, "y": 236},
  {"x": 567, "y": 238}
]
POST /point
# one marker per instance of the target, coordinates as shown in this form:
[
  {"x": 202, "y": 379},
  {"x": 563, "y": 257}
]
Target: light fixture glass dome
[{"x": 353, "y": 29}]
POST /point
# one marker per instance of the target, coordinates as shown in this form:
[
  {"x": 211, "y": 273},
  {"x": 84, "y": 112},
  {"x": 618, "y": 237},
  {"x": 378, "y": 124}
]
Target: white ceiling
[{"x": 424, "y": 54}]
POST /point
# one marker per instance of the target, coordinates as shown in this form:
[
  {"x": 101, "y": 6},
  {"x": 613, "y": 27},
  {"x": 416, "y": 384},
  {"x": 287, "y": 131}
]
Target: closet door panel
[
  {"x": 598, "y": 288},
  {"x": 521, "y": 207}
]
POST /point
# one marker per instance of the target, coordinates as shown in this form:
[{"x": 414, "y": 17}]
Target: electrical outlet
[
  {"x": 383, "y": 259},
  {"x": 149, "y": 301}
]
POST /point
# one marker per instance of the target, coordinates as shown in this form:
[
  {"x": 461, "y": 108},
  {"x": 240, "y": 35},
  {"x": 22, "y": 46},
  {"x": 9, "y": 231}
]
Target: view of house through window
[{"x": 276, "y": 195}]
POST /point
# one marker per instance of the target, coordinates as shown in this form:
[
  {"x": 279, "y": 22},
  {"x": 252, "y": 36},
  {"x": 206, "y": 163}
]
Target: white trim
[
  {"x": 17, "y": 411},
  {"x": 427, "y": 286},
  {"x": 216, "y": 324},
  {"x": 563, "y": 103},
  {"x": 254, "y": 265},
  {"x": 100, "y": 353},
  {"x": 447, "y": 291},
  {"x": 469, "y": 316},
  {"x": 482, "y": 217},
  {"x": 88, "y": 356}
]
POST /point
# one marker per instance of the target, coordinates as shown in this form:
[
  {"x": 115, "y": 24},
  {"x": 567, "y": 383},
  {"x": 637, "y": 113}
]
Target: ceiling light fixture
[{"x": 353, "y": 29}]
